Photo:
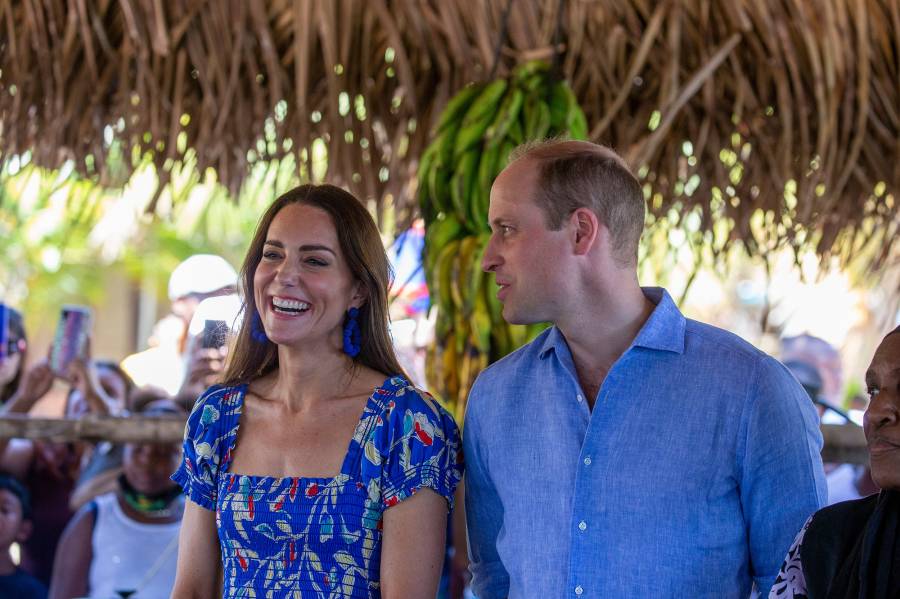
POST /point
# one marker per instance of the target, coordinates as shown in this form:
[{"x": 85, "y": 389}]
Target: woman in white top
[{"x": 125, "y": 543}]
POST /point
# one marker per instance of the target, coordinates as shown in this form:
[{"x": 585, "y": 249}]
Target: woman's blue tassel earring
[
  {"x": 352, "y": 334},
  {"x": 256, "y": 329}
]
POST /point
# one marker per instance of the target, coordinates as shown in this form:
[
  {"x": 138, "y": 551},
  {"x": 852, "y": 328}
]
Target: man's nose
[{"x": 491, "y": 259}]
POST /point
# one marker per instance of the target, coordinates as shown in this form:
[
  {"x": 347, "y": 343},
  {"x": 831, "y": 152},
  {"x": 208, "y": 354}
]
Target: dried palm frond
[{"x": 791, "y": 109}]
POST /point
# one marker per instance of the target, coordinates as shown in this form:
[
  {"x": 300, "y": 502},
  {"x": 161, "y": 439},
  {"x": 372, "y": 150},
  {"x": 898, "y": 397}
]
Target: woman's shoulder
[
  {"x": 844, "y": 513},
  {"x": 216, "y": 401},
  {"x": 215, "y": 414},
  {"x": 402, "y": 401}
]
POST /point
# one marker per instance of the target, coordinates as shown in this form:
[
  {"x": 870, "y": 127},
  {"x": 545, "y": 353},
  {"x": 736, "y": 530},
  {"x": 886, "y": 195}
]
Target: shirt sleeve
[
  {"x": 782, "y": 480},
  {"x": 484, "y": 513},
  {"x": 790, "y": 582},
  {"x": 415, "y": 445},
  {"x": 200, "y": 462}
]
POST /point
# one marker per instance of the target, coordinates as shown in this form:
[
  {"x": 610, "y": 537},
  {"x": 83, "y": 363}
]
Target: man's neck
[{"x": 599, "y": 333}]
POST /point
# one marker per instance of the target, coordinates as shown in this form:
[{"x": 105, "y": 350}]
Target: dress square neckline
[{"x": 374, "y": 403}]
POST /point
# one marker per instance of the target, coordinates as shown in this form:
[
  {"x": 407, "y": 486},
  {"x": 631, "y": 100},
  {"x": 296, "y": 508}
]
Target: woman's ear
[{"x": 360, "y": 294}]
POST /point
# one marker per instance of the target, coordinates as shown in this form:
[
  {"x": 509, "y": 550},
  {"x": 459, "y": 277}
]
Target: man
[
  {"x": 627, "y": 451},
  {"x": 173, "y": 362}
]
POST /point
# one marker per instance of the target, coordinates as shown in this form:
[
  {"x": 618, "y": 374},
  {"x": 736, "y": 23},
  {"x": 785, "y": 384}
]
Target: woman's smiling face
[{"x": 302, "y": 285}]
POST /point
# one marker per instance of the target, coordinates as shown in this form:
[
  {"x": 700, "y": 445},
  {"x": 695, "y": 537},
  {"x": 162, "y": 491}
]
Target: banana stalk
[{"x": 471, "y": 144}]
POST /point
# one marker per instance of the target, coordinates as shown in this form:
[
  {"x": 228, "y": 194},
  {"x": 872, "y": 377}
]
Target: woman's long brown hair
[{"x": 361, "y": 247}]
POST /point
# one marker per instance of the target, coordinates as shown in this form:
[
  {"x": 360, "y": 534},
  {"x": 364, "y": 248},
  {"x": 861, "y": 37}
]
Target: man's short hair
[
  {"x": 17, "y": 489},
  {"x": 576, "y": 175}
]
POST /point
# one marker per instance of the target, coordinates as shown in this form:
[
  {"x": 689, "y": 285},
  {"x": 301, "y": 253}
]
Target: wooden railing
[
  {"x": 843, "y": 443},
  {"x": 131, "y": 429}
]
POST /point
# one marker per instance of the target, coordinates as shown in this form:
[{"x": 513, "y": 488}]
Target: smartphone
[
  {"x": 71, "y": 337},
  {"x": 4, "y": 333},
  {"x": 215, "y": 334}
]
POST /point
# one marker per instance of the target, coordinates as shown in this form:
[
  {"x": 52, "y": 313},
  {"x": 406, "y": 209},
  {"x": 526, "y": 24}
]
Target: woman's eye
[
  {"x": 316, "y": 262},
  {"x": 270, "y": 255}
]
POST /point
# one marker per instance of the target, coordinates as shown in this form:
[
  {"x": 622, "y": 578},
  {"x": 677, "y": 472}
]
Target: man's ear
[
  {"x": 24, "y": 531},
  {"x": 586, "y": 229}
]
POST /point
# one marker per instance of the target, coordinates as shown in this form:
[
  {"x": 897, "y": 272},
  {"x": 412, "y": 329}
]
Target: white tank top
[{"x": 125, "y": 551}]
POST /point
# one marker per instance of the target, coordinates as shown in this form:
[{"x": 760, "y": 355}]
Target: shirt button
[
  {"x": 587, "y": 461},
  {"x": 579, "y": 590},
  {"x": 582, "y": 526},
  {"x": 580, "y": 399}
]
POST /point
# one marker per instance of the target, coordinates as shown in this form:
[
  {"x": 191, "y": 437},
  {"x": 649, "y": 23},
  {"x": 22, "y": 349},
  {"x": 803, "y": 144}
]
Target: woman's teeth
[{"x": 286, "y": 306}]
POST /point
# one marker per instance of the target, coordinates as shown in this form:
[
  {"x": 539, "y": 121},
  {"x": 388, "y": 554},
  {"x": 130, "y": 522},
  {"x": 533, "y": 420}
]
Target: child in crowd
[{"x": 15, "y": 527}]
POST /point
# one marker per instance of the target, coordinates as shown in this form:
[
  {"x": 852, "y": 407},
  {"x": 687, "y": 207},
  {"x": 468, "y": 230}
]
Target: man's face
[{"x": 530, "y": 262}]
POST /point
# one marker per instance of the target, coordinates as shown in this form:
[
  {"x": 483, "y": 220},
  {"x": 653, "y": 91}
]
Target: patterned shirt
[
  {"x": 689, "y": 478},
  {"x": 317, "y": 537},
  {"x": 791, "y": 582}
]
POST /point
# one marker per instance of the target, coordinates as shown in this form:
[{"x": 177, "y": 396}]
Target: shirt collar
[{"x": 664, "y": 329}]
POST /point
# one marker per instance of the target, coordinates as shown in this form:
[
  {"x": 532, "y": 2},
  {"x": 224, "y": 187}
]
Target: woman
[
  {"x": 12, "y": 355},
  {"x": 316, "y": 469},
  {"x": 852, "y": 549},
  {"x": 126, "y": 541}
]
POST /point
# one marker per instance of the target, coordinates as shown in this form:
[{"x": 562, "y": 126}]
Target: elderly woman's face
[{"x": 882, "y": 420}]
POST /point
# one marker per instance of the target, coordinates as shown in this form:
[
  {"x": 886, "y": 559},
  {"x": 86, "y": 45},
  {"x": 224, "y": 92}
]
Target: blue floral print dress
[{"x": 317, "y": 537}]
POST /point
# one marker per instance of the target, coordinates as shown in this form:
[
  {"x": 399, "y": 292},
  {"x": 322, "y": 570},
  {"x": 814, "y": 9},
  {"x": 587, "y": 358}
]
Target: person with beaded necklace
[
  {"x": 316, "y": 469},
  {"x": 124, "y": 543}
]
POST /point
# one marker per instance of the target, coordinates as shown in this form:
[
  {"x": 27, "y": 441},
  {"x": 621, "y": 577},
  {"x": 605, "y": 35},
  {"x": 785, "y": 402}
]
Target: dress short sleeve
[
  {"x": 790, "y": 582},
  {"x": 414, "y": 444},
  {"x": 208, "y": 437}
]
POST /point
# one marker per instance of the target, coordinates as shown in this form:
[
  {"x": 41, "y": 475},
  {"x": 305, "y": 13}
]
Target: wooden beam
[
  {"x": 132, "y": 429},
  {"x": 844, "y": 444}
]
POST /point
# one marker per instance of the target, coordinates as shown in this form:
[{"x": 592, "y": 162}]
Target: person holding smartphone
[
  {"x": 316, "y": 468},
  {"x": 52, "y": 471},
  {"x": 13, "y": 346}
]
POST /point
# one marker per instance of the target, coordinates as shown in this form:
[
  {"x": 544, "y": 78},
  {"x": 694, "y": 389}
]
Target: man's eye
[{"x": 872, "y": 391}]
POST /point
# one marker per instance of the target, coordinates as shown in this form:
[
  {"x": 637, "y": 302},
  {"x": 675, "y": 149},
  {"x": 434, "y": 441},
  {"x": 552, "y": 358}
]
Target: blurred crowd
[{"x": 72, "y": 513}]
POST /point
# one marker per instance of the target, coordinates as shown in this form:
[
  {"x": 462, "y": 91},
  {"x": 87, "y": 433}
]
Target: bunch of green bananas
[{"x": 477, "y": 130}]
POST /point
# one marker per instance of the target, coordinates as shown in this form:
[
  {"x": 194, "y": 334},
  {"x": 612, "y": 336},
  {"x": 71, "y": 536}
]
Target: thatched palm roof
[{"x": 796, "y": 94}]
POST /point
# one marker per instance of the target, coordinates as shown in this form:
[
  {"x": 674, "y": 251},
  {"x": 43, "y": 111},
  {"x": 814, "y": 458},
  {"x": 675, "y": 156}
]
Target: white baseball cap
[{"x": 201, "y": 273}]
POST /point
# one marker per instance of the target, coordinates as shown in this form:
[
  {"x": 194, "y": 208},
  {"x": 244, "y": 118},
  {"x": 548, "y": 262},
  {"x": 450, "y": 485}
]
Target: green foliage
[{"x": 61, "y": 235}]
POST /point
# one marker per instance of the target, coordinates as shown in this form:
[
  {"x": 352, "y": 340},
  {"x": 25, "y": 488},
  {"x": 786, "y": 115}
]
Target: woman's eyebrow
[{"x": 310, "y": 247}]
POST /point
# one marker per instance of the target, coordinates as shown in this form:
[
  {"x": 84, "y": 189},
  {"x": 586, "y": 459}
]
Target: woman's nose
[{"x": 286, "y": 274}]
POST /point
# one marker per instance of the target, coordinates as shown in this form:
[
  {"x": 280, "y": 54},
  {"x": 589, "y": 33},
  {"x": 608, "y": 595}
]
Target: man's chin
[{"x": 513, "y": 317}]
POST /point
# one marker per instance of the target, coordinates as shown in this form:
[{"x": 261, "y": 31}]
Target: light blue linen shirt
[{"x": 690, "y": 478}]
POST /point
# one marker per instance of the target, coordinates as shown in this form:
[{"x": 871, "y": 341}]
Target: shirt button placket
[
  {"x": 582, "y": 526},
  {"x": 579, "y": 590}
]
